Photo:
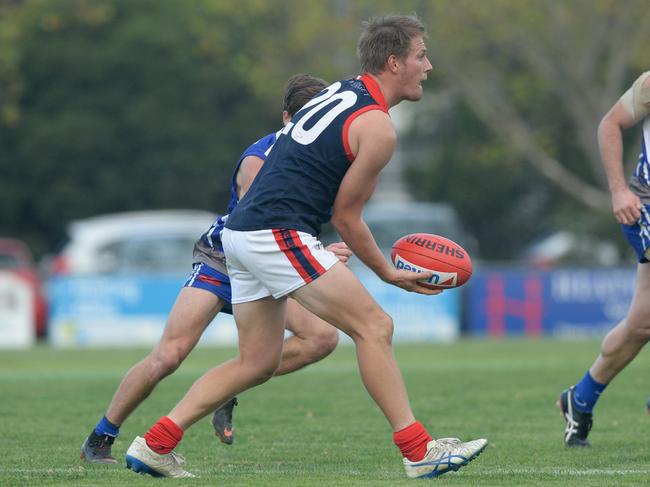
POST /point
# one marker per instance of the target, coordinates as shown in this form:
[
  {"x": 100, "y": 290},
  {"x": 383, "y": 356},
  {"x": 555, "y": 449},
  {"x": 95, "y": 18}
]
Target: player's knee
[
  {"x": 640, "y": 332},
  {"x": 166, "y": 359},
  {"x": 637, "y": 324},
  {"x": 379, "y": 328},
  {"x": 263, "y": 372},
  {"x": 256, "y": 369},
  {"x": 323, "y": 343},
  {"x": 329, "y": 340}
]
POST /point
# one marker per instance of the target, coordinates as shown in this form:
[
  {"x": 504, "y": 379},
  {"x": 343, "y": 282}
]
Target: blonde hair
[{"x": 386, "y": 36}]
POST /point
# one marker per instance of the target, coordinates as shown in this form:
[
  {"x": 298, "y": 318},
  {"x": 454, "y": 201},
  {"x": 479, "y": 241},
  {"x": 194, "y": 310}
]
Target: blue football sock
[
  {"x": 105, "y": 427},
  {"x": 587, "y": 393}
]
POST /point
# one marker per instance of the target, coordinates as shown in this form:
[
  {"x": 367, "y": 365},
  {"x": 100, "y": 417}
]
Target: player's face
[{"x": 415, "y": 66}]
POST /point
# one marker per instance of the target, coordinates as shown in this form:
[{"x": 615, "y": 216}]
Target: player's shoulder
[
  {"x": 645, "y": 79},
  {"x": 636, "y": 100},
  {"x": 376, "y": 123},
  {"x": 260, "y": 147},
  {"x": 374, "y": 131},
  {"x": 640, "y": 84},
  {"x": 266, "y": 141}
]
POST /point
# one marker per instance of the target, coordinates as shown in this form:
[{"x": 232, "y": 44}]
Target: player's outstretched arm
[
  {"x": 359, "y": 183},
  {"x": 372, "y": 138}
]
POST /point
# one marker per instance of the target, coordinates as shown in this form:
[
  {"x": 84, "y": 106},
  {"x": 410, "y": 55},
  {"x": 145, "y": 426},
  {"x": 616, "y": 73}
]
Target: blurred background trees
[
  {"x": 118, "y": 105},
  {"x": 524, "y": 86}
]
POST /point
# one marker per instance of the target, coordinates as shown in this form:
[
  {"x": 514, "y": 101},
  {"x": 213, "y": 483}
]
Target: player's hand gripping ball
[{"x": 449, "y": 262}]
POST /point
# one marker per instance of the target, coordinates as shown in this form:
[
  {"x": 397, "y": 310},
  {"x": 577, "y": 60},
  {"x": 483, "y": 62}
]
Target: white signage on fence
[{"x": 16, "y": 312}]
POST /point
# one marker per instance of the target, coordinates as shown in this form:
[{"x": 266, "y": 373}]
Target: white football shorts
[{"x": 274, "y": 263}]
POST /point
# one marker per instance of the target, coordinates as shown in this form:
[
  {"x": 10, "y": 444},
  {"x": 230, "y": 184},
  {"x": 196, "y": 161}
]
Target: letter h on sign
[{"x": 499, "y": 306}]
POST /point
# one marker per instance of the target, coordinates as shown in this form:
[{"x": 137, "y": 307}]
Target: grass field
[{"x": 319, "y": 427}]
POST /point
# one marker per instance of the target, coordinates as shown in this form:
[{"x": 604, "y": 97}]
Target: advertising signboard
[
  {"x": 132, "y": 311},
  {"x": 17, "y": 315},
  {"x": 566, "y": 303}
]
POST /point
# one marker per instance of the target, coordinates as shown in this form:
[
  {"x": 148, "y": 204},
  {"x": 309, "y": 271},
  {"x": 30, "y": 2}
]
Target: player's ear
[
  {"x": 286, "y": 117},
  {"x": 392, "y": 64}
]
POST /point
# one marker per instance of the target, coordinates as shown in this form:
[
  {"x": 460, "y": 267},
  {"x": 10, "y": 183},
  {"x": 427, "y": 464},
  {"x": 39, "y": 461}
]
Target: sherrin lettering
[{"x": 436, "y": 246}]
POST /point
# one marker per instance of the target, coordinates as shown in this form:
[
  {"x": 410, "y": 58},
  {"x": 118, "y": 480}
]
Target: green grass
[{"x": 319, "y": 427}]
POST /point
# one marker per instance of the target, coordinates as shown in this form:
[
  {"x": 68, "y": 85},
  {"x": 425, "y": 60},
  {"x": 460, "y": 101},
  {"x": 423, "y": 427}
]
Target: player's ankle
[
  {"x": 163, "y": 436},
  {"x": 412, "y": 441}
]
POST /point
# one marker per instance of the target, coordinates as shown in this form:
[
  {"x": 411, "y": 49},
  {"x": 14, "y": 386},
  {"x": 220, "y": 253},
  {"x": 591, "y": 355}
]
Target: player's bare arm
[
  {"x": 372, "y": 138},
  {"x": 624, "y": 114},
  {"x": 248, "y": 169}
]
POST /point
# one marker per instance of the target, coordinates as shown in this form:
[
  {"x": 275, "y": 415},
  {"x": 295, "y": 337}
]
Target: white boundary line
[
  {"x": 475, "y": 472},
  {"x": 558, "y": 471}
]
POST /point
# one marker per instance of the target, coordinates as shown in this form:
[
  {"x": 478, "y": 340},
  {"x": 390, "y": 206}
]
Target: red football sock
[
  {"x": 412, "y": 441},
  {"x": 163, "y": 436}
]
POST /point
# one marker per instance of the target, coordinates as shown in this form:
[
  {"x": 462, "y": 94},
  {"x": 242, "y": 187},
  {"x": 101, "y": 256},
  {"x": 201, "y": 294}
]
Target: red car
[{"x": 15, "y": 257}]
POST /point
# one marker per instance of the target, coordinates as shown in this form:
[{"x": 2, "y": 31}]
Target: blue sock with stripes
[
  {"x": 105, "y": 427},
  {"x": 587, "y": 393}
]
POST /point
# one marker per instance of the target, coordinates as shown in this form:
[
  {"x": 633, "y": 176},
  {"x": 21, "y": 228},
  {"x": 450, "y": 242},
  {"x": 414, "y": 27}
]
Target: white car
[{"x": 156, "y": 241}]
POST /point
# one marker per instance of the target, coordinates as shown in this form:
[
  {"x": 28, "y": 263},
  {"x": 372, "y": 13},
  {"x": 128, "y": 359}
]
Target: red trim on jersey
[
  {"x": 346, "y": 128},
  {"x": 373, "y": 89},
  {"x": 284, "y": 247},
  {"x": 308, "y": 255}
]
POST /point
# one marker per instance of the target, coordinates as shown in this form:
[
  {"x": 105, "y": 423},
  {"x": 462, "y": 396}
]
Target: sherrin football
[{"x": 450, "y": 263}]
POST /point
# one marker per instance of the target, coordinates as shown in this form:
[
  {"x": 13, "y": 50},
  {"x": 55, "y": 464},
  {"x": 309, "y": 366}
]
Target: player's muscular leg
[
  {"x": 193, "y": 310},
  {"x": 339, "y": 298},
  {"x": 261, "y": 333},
  {"x": 312, "y": 340},
  {"x": 625, "y": 341}
]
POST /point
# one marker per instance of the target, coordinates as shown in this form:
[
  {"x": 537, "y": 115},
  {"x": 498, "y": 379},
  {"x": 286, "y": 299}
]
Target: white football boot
[
  {"x": 142, "y": 459},
  {"x": 444, "y": 455}
]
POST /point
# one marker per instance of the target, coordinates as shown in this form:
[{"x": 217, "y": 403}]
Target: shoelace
[
  {"x": 101, "y": 442},
  {"x": 571, "y": 426},
  {"x": 448, "y": 442},
  {"x": 178, "y": 458}
]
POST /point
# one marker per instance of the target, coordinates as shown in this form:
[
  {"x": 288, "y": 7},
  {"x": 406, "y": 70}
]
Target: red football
[{"x": 450, "y": 263}]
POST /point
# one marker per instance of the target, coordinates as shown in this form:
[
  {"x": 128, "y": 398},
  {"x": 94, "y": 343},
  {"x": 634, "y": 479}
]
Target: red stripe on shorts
[
  {"x": 308, "y": 255},
  {"x": 288, "y": 251}
]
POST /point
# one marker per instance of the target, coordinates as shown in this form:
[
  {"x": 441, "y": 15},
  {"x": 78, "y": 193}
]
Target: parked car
[
  {"x": 156, "y": 241},
  {"x": 16, "y": 258}
]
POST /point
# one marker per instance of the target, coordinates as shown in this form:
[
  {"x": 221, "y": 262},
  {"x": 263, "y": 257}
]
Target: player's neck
[{"x": 385, "y": 84}]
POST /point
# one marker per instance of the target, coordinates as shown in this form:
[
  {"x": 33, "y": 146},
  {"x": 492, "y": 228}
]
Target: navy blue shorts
[
  {"x": 638, "y": 235},
  {"x": 205, "y": 277}
]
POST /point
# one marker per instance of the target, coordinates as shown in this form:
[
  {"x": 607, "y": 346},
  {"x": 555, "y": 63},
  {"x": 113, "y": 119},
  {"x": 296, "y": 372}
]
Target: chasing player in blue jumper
[{"x": 205, "y": 294}]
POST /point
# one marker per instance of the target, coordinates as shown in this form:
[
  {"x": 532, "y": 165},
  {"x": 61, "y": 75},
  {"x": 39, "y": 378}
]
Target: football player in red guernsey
[{"x": 325, "y": 164}]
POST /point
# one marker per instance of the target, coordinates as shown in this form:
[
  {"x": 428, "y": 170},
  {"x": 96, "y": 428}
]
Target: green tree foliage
[
  {"x": 109, "y": 105},
  {"x": 134, "y": 104},
  {"x": 125, "y": 105},
  {"x": 523, "y": 85}
]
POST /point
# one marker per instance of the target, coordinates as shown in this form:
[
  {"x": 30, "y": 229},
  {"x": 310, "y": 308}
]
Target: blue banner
[
  {"x": 120, "y": 311},
  {"x": 132, "y": 311},
  {"x": 559, "y": 302}
]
